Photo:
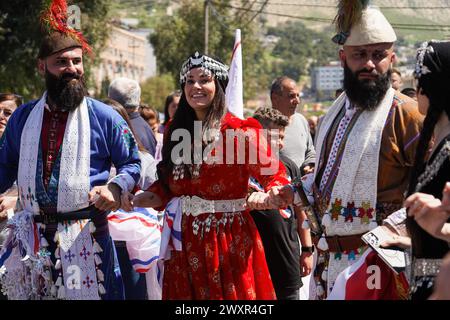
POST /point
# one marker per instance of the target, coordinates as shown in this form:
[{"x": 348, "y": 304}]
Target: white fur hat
[
  {"x": 358, "y": 23},
  {"x": 372, "y": 28}
]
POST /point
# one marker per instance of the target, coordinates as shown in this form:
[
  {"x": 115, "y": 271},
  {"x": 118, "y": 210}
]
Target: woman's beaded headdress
[{"x": 197, "y": 60}]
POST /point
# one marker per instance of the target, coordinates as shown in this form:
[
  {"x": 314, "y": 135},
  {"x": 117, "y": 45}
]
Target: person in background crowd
[
  {"x": 313, "y": 122},
  {"x": 128, "y": 93},
  {"x": 134, "y": 282},
  {"x": 280, "y": 229},
  {"x": 151, "y": 115},
  {"x": 396, "y": 79},
  {"x": 170, "y": 106},
  {"x": 9, "y": 102},
  {"x": 298, "y": 146}
]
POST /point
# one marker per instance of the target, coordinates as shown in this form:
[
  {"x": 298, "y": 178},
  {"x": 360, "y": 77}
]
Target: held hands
[
  {"x": 277, "y": 197},
  {"x": 106, "y": 198}
]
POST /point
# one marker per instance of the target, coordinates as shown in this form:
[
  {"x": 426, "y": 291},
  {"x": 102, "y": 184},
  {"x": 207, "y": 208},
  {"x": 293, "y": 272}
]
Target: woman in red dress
[{"x": 221, "y": 255}]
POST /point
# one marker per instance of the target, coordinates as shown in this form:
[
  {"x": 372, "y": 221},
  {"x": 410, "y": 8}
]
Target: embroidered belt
[
  {"x": 344, "y": 243},
  {"x": 426, "y": 267},
  {"x": 195, "y": 205}
]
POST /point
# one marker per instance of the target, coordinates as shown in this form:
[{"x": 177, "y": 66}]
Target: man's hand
[
  {"x": 6, "y": 203},
  {"x": 127, "y": 201},
  {"x": 281, "y": 196},
  {"x": 306, "y": 263},
  {"x": 259, "y": 201},
  {"x": 429, "y": 212},
  {"x": 395, "y": 240},
  {"x": 308, "y": 169},
  {"x": 106, "y": 198}
]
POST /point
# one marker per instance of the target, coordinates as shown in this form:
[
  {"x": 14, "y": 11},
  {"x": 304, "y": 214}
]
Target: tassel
[
  {"x": 320, "y": 290},
  {"x": 58, "y": 253},
  {"x": 56, "y": 237},
  {"x": 58, "y": 282},
  {"x": 325, "y": 275},
  {"x": 53, "y": 291},
  {"x": 100, "y": 275},
  {"x": 305, "y": 224},
  {"x": 58, "y": 264},
  {"x": 322, "y": 245},
  {"x": 101, "y": 289},
  {"x": 97, "y": 248},
  {"x": 373, "y": 225},
  {"x": 43, "y": 242},
  {"x": 98, "y": 260},
  {"x": 91, "y": 227},
  {"x": 326, "y": 220},
  {"x": 62, "y": 292}
]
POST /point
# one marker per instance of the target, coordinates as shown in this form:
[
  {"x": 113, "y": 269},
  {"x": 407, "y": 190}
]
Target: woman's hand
[
  {"x": 146, "y": 199},
  {"x": 429, "y": 213}
]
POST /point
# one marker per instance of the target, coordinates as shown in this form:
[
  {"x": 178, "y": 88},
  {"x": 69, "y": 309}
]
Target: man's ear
[
  {"x": 41, "y": 66},
  {"x": 393, "y": 58},
  {"x": 342, "y": 57}
]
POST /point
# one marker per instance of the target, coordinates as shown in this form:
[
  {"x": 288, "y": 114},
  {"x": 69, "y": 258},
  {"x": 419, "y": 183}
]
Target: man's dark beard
[
  {"x": 66, "y": 95},
  {"x": 366, "y": 94}
]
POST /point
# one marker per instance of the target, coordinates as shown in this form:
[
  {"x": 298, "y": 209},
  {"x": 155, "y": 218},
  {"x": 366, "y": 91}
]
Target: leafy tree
[
  {"x": 156, "y": 89},
  {"x": 20, "y": 37},
  {"x": 178, "y": 36},
  {"x": 299, "y": 49}
]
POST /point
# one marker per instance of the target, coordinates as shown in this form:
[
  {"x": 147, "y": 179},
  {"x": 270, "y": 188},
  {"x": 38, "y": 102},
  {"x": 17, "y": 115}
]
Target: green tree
[
  {"x": 299, "y": 49},
  {"x": 20, "y": 37},
  {"x": 182, "y": 34},
  {"x": 156, "y": 89}
]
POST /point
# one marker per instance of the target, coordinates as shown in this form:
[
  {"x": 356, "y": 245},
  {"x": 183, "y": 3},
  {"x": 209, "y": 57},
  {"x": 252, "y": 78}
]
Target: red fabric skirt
[{"x": 222, "y": 261}]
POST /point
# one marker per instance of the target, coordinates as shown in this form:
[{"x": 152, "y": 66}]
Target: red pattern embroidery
[
  {"x": 228, "y": 261},
  {"x": 52, "y": 135}
]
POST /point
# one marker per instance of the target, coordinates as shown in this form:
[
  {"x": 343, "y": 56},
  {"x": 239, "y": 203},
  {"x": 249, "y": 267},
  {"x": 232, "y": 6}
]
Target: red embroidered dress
[{"x": 222, "y": 254}]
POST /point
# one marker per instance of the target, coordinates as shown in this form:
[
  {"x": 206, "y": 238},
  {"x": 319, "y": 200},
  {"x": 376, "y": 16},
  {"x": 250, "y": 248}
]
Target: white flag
[{"x": 234, "y": 94}]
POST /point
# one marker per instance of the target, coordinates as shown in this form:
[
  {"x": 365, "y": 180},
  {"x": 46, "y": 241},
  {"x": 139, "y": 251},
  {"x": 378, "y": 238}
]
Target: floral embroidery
[
  {"x": 349, "y": 212},
  {"x": 365, "y": 212},
  {"x": 336, "y": 209}
]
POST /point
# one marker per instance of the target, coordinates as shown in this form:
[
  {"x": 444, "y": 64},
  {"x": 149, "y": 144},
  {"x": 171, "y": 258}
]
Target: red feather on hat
[{"x": 54, "y": 18}]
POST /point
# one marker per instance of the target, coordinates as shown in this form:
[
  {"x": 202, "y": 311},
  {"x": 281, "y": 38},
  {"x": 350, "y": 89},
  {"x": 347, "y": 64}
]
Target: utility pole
[{"x": 206, "y": 25}]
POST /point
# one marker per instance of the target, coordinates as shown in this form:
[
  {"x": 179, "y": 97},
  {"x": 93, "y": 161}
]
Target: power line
[
  {"x": 257, "y": 13},
  {"x": 333, "y": 6},
  {"x": 418, "y": 27}
]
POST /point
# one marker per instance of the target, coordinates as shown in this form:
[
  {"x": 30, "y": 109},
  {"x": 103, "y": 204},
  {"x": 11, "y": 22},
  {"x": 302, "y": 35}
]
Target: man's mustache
[
  {"x": 70, "y": 76},
  {"x": 371, "y": 72}
]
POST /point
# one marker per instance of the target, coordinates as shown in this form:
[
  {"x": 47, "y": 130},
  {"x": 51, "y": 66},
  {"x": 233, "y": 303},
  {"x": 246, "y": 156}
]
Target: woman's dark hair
[
  {"x": 434, "y": 85},
  {"x": 184, "y": 119},
  {"x": 169, "y": 100},
  {"x": 123, "y": 112},
  {"x": 11, "y": 97}
]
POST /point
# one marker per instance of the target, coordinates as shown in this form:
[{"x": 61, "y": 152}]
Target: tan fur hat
[{"x": 358, "y": 24}]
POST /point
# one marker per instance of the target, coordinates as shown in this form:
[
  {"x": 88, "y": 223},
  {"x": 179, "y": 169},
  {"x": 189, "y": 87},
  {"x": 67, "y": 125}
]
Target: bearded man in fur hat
[{"x": 365, "y": 149}]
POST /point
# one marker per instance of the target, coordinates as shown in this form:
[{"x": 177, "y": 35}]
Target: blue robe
[{"x": 111, "y": 143}]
